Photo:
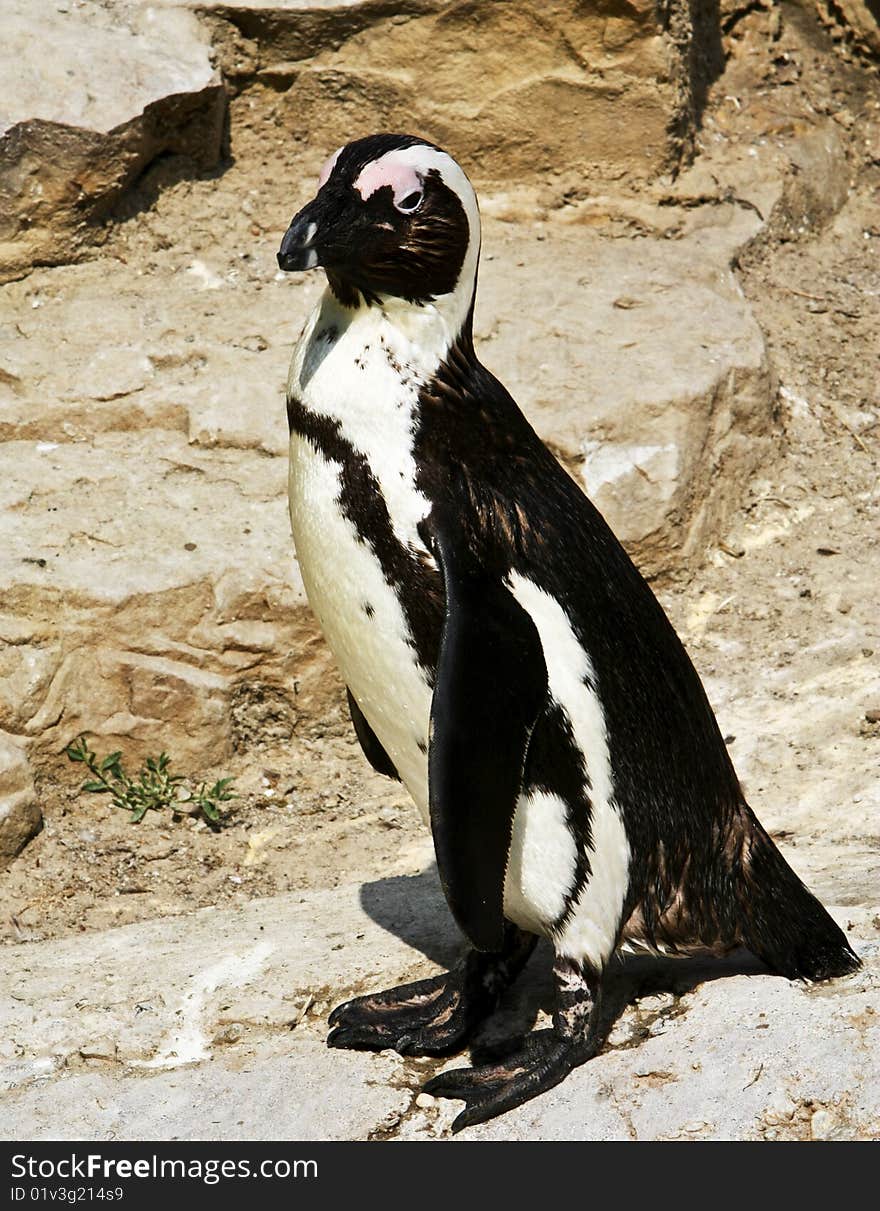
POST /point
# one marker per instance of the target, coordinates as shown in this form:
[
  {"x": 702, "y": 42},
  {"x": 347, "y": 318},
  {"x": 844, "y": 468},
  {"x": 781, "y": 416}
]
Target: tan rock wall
[
  {"x": 20, "y": 816},
  {"x": 857, "y": 21},
  {"x": 523, "y": 90},
  {"x": 520, "y": 90}
]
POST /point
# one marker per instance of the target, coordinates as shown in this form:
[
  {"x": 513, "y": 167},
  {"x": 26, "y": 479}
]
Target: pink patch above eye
[
  {"x": 403, "y": 179},
  {"x": 329, "y": 165}
]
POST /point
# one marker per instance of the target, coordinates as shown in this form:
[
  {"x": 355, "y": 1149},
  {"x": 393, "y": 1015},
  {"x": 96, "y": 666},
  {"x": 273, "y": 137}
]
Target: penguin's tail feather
[{"x": 782, "y": 921}]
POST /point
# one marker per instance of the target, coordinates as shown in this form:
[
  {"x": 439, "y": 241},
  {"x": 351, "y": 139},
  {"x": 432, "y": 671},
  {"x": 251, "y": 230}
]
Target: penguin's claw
[
  {"x": 428, "y": 1017},
  {"x": 544, "y": 1061}
]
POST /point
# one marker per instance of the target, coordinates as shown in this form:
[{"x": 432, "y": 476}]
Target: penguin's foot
[
  {"x": 545, "y": 1059},
  {"x": 429, "y": 1017},
  {"x": 435, "y": 1016}
]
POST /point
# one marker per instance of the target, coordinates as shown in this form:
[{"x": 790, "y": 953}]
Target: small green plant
[{"x": 154, "y": 787}]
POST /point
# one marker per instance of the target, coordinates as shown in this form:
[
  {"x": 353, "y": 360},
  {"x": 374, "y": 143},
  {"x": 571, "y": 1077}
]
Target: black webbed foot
[
  {"x": 429, "y": 1017},
  {"x": 545, "y": 1058},
  {"x": 544, "y": 1061},
  {"x": 435, "y": 1016}
]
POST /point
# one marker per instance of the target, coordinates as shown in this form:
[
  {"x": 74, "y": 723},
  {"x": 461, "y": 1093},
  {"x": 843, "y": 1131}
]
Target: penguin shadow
[
  {"x": 628, "y": 980},
  {"x": 412, "y": 908}
]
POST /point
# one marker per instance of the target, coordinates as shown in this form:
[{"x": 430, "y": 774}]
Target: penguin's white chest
[
  {"x": 360, "y": 616},
  {"x": 359, "y": 382}
]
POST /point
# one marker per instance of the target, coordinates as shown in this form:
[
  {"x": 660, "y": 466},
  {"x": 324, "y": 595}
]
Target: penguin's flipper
[
  {"x": 490, "y": 687},
  {"x": 369, "y": 741}
]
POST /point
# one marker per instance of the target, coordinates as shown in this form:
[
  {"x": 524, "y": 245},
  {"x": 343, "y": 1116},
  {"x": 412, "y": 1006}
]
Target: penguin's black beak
[{"x": 298, "y": 251}]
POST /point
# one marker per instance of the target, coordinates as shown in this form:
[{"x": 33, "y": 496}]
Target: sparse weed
[{"x": 154, "y": 787}]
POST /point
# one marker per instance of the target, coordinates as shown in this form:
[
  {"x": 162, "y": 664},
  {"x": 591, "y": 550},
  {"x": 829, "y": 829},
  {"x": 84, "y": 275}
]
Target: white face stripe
[
  {"x": 440, "y": 322},
  {"x": 329, "y": 165},
  {"x": 402, "y": 178},
  {"x": 414, "y": 163},
  {"x": 591, "y": 929}
]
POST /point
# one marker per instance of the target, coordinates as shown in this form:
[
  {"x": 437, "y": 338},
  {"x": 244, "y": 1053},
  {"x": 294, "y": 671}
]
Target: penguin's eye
[{"x": 411, "y": 202}]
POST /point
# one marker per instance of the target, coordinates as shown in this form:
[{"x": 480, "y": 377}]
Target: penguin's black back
[{"x": 703, "y": 872}]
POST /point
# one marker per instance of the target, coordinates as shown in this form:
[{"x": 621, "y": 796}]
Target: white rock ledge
[{"x": 212, "y": 1026}]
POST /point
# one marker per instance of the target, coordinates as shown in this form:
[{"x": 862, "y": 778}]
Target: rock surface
[
  {"x": 20, "y": 815},
  {"x": 74, "y": 139},
  {"x": 132, "y": 82},
  {"x": 858, "y": 20},
  {"x": 215, "y": 1030},
  {"x": 634, "y": 78}
]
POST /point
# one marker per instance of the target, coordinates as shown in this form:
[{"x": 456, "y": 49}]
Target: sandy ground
[{"x": 781, "y": 618}]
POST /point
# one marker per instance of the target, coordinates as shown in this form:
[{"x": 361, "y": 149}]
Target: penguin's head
[{"x": 393, "y": 216}]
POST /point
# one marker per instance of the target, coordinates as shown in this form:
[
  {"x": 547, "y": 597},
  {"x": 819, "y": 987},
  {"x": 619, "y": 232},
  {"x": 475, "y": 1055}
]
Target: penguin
[{"x": 504, "y": 659}]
